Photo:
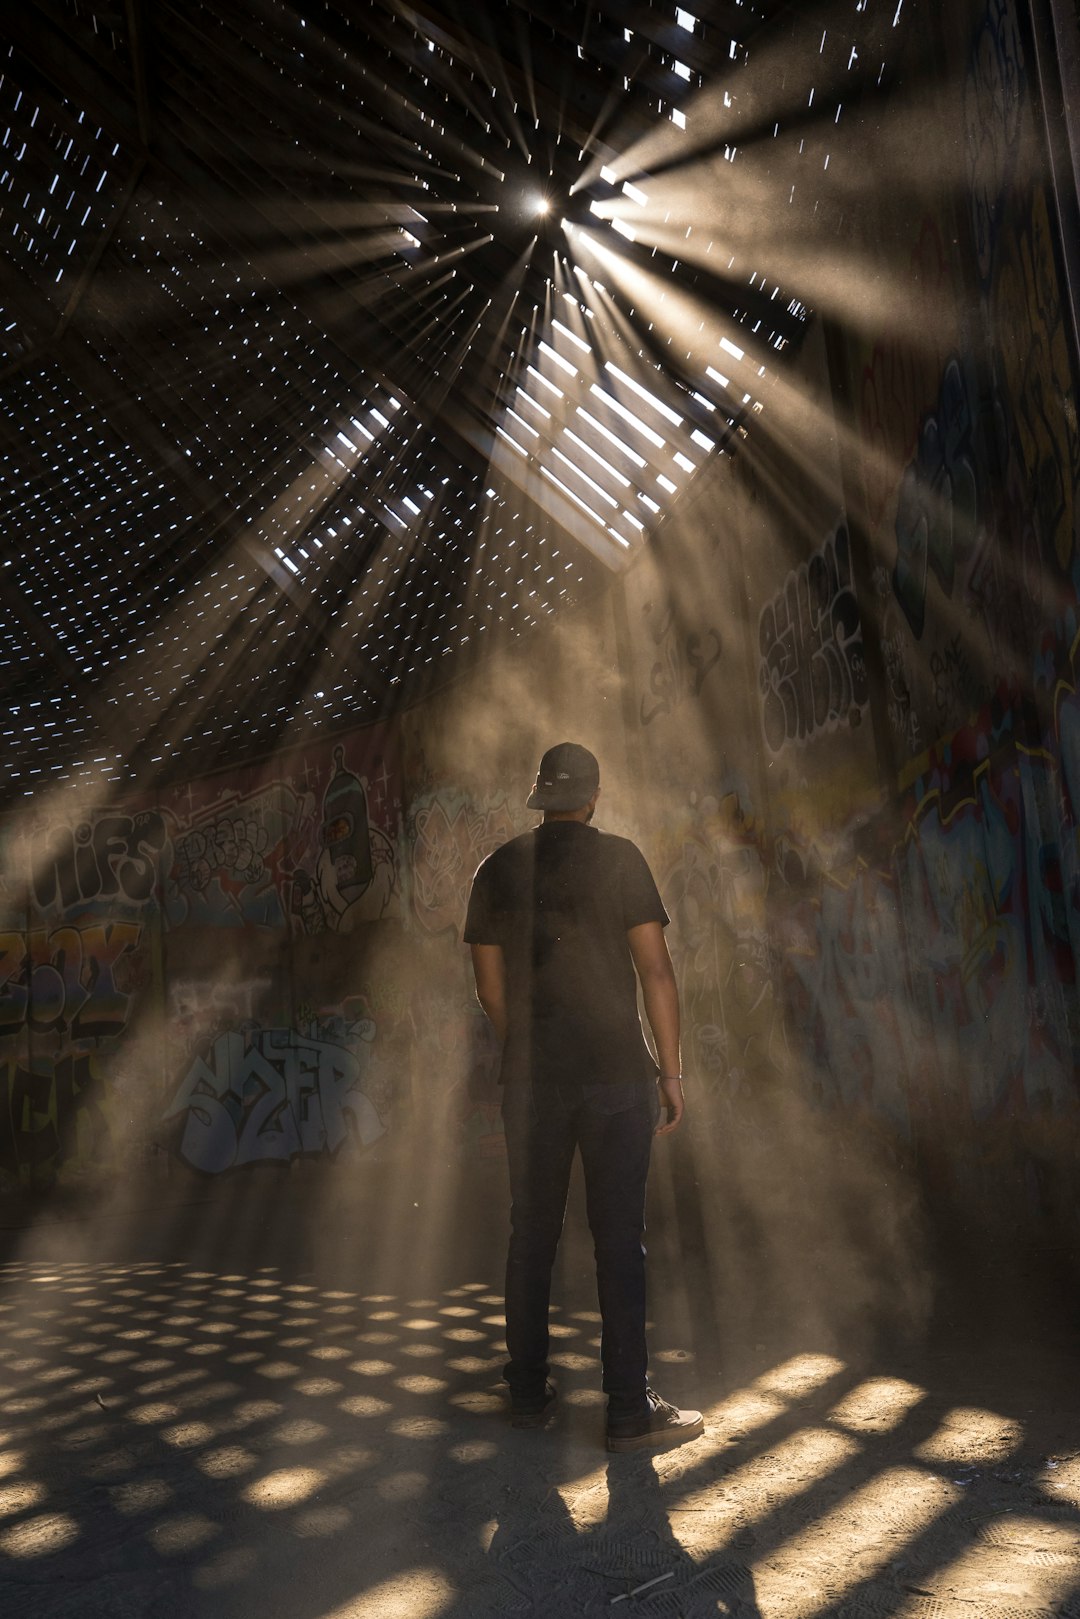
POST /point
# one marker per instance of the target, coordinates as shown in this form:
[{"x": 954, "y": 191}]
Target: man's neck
[{"x": 581, "y": 815}]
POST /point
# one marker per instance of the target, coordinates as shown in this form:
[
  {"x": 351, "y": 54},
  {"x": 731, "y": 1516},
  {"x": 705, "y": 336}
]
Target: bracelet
[{"x": 665, "y": 1079}]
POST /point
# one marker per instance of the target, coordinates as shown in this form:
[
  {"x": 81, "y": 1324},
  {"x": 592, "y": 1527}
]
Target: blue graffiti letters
[{"x": 273, "y": 1095}]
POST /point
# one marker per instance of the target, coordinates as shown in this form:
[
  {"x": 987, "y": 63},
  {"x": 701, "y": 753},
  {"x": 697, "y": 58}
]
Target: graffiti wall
[
  {"x": 193, "y": 973},
  {"x": 835, "y": 702},
  {"x": 79, "y": 940},
  {"x": 812, "y": 672},
  {"x": 970, "y": 452},
  {"x": 897, "y": 945},
  {"x": 306, "y": 845}
]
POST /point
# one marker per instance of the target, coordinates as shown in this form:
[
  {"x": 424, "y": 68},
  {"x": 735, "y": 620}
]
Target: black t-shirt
[{"x": 559, "y": 901}]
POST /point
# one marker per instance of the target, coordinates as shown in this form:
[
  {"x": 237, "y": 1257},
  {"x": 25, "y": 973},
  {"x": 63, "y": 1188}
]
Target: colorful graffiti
[
  {"x": 846, "y": 983},
  {"x": 812, "y": 676},
  {"x": 993, "y": 106},
  {"x": 230, "y": 859},
  {"x": 271, "y": 1095},
  {"x": 1034, "y": 381},
  {"x": 50, "y": 1115},
  {"x": 938, "y": 989},
  {"x": 75, "y": 963},
  {"x": 314, "y": 849},
  {"x": 354, "y": 873},
  {"x": 67, "y": 979},
  {"x": 91, "y": 905}
]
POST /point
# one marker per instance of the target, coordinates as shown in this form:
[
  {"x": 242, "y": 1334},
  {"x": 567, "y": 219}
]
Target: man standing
[{"x": 563, "y": 922}]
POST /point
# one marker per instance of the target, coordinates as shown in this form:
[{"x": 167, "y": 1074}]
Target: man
[{"x": 563, "y": 922}]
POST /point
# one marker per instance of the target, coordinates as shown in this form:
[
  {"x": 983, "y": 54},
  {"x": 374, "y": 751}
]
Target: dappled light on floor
[{"x": 327, "y": 1452}]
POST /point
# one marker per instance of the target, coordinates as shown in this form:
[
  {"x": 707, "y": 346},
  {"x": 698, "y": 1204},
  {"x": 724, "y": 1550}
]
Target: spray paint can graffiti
[{"x": 346, "y": 836}]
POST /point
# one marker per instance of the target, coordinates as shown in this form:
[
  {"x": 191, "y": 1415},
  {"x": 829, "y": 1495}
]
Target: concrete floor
[{"x": 189, "y": 1427}]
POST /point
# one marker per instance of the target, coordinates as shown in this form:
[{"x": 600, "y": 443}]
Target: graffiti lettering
[
  {"x": 393, "y": 1001},
  {"x": 955, "y": 685},
  {"x": 64, "y": 979},
  {"x": 681, "y": 668},
  {"x": 43, "y": 1114},
  {"x": 274, "y": 1095},
  {"x": 111, "y": 857},
  {"x": 228, "y": 866},
  {"x": 812, "y": 675}
]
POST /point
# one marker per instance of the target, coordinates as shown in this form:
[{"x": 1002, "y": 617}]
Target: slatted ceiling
[
  {"x": 60, "y": 175},
  {"x": 15, "y": 341},
  {"x": 101, "y": 28},
  {"x": 75, "y": 499},
  {"x": 298, "y": 449}
]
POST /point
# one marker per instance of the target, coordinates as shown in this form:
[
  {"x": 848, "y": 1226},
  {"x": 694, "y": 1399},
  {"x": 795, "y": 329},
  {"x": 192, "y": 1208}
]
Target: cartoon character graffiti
[{"x": 355, "y": 875}]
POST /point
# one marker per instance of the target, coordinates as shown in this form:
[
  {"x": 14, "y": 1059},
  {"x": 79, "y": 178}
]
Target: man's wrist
[{"x": 669, "y": 1079}]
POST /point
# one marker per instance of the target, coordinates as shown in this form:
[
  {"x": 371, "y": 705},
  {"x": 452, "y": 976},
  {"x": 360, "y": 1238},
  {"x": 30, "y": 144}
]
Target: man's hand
[
  {"x": 671, "y": 1104},
  {"x": 489, "y": 970}
]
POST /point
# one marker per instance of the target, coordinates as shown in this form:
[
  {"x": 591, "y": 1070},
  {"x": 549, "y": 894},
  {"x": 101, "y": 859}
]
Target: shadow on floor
[{"x": 189, "y": 1427}]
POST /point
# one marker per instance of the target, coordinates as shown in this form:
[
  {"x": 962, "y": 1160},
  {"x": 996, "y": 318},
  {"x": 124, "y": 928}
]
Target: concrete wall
[
  {"x": 835, "y": 702},
  {"x": 875, "y": 855}
]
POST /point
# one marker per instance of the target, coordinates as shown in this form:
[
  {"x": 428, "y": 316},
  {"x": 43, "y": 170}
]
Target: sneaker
[
  {"x": 662, "y": 1426},
  {"x": 536, "y": 1412}
]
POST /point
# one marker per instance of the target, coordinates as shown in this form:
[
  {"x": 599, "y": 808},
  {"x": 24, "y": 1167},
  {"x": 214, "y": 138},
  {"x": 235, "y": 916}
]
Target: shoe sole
[
  {"x": 533, "y": 1419},
  {"x": 658, "y": 1439},
  {"x": 540, "y": 1421}
]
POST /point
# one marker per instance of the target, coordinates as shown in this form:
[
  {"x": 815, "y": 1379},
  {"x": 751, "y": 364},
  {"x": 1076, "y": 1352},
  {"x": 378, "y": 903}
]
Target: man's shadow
[{"x": 618, "y": 1555}]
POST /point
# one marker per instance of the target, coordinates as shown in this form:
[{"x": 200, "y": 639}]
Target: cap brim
[{"x": 552, "y": 799}]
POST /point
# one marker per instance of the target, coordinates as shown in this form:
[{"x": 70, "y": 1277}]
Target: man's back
[{"x": 560, "y": 901}]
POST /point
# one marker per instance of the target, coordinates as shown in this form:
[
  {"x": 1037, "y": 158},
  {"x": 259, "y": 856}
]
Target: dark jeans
[{"x": 612, "y": 1127}]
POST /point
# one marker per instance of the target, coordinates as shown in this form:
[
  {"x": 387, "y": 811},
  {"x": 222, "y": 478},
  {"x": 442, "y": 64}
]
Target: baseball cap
[{"x": 567, "y": 778}]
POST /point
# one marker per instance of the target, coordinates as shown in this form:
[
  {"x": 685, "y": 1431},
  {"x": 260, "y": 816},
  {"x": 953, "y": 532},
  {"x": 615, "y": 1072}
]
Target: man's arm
[
  {"x": 661, "y": 996},
  {"x": 489, "y": 970}
]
